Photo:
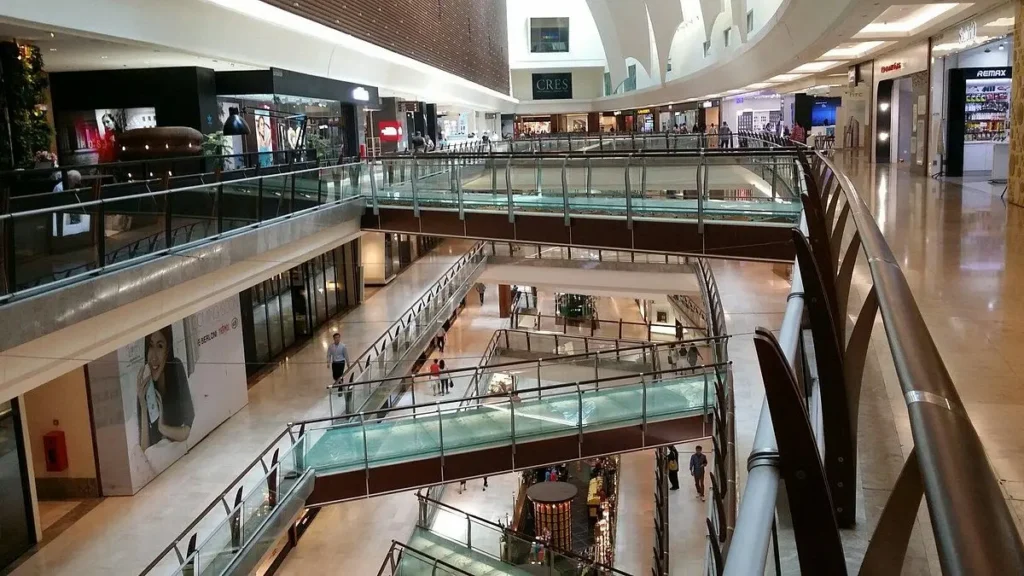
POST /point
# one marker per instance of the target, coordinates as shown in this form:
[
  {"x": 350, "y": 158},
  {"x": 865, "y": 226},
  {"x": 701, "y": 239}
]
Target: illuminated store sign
[
  {"x": 361, "y": 94},
  {"x": 390, "y": 131},
  {"x": 894, "y": 67}
]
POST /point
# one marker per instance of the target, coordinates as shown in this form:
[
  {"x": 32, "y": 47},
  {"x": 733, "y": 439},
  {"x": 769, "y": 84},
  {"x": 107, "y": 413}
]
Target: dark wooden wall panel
[{"x": 468, "y": 38}]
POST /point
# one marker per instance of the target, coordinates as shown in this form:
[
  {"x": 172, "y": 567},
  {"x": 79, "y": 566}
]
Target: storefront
[
  {"x": 289, "y": 110},
  {"x": 971, "y": 80},
  {"x": 533, "y": 125},
  {"x": 17, "y": 525},
  {"x": 901, "y": 86},
  {"x": 386, "y": 254},
  {"x": 608, "y": 122},
  {"x": 753, "y": 112},
  {"x": 288, "y": 308}
]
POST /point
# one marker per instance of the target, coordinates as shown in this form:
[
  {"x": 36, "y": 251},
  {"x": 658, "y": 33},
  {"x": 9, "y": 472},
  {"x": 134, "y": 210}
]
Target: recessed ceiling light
[
  {"x": 52, "y": 35},
  {"x": 103, "y": 57},
  {"x": 814, "y": 67},
  {"x": 53, "y": 49}
]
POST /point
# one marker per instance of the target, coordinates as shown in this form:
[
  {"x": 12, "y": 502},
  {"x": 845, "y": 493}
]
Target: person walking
[
  {"x": 446, "y": 381},
  {"x": 419, "y": 144},
  {"x": 692, "y": 355},
  {"x": 337, "y": 358},
  {"x": 439, "y": 340},
  {"x": 672, "y": 463},
  {"x": 698, "y": 462},
  {"x": 435, "y": 377},
  {"x": 725, "y": 136},
  {"x": 480, "y": 289}
]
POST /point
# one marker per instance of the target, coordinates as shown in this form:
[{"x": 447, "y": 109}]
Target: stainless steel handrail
[{"x": 973, "y": 528}]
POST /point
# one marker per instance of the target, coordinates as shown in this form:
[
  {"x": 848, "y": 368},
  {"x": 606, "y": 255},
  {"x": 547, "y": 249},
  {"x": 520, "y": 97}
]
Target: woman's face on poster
[
  {"x": 108, "y": 123},
  {"x": 156, "y": 355}
]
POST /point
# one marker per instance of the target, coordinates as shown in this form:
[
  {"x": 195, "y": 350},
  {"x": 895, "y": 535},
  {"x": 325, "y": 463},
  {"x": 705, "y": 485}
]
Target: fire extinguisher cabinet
[{"x": 56, "y": 450}]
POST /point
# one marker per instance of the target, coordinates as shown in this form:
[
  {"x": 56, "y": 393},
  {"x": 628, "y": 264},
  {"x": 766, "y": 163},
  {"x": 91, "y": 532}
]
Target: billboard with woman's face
[{"x": 156, "y": 398}]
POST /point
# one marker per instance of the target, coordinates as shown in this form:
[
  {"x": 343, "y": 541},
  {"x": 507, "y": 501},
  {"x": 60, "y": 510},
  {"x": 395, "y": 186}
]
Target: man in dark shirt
[{"x": 698, "y": 462}]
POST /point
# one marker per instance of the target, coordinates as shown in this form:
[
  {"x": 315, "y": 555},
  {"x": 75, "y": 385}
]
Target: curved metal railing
[{"x": 971, "y": 523}]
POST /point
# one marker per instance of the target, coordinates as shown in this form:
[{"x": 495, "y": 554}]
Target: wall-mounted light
[
  {"x": 883, "y": 106},
  {"x": 883, "y": 136}
]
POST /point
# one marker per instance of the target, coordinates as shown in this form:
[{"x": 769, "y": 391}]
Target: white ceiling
[{"x": 64, "y": 52}]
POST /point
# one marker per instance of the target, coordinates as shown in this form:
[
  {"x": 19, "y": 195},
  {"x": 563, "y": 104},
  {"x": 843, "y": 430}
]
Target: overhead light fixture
[
  {"x": 812, "y": 67},
  {"x": 910, "y": 23},
  {"x": 103, "y": 57},
  {"x": 1001, "y": 22},
  {"x": 785, "y": 78},
  {"x": 851, "y": 51},
  {"x": 883, "y": 106},
  {"x": 53, "y": 49},
  {"x": 235, "y": 125},
  {"x": 883, "y": 136}
]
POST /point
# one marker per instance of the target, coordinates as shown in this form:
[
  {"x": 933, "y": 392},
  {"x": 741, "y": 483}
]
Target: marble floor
[{"x": 123, "y": 534}]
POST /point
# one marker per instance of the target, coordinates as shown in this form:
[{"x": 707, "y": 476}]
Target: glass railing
[
  {"x": 722, "y": 185},
  {"x": 565, "y": 358},
  {"x": 525, "y": 251},
  {"x": 494, "y": 548},
  {"x": 506, "y": 419},
  {"x": 66, "y": 240},
  {"x": 366, "y": 383},
  {"x": 404, "y": 560}
]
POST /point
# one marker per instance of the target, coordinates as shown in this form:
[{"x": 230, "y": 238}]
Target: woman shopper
[{"x": 446, "y": 381}]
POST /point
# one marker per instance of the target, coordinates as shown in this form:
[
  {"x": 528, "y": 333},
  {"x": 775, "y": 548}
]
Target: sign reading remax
[
  {"x": 552, "y": 86},
  {"x": 988, "y": 73}
]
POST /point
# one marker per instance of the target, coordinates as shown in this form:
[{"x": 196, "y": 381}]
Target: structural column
[{"x": 1015, "y": 190}]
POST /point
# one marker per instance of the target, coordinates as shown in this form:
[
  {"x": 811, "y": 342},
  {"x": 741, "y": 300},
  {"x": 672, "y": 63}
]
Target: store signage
[
  {"x": 552, "y": 86},
  {"x": 894, "y": 67},
  {"x": 707, "y": 104},
  {"x": 390, "y": 130},
  {"x": 644, "y": 111},
  {"x": 361, "y": 94},
  {"x": 987, "y": 73},
  {"x": 968, "y": 32}
]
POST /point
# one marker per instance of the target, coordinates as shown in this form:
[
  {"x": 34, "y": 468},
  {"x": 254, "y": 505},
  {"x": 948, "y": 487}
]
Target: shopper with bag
[{"x": 673, "y": 467}]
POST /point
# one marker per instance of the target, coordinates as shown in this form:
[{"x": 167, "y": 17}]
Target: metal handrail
[
  {"x": 400, "y": 549},
  {"x": 498, "y": 335},
  {"x": 964, "y": 498},
  {"x": 361, "y": 363},
  {"x": 962, "y": 493},
  {"x": 422, "y": 498}
]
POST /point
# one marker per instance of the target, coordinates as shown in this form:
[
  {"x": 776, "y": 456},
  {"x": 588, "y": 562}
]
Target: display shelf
[{"x": 986, "y": 109}]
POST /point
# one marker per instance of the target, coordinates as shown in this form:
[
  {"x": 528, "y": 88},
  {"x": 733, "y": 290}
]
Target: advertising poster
[
  {"x": 232, "y": 144},
  {"x": 264, "y": 136},
  {"x": 159, "y": 396}
]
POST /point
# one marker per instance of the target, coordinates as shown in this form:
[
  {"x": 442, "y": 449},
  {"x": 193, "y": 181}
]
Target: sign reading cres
[{"x": 552, "y": 86}]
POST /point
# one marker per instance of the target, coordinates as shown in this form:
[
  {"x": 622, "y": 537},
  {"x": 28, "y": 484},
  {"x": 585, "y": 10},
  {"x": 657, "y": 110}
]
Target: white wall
[
  {"x": 730, "y": 109},
  {"x": 62, "y": 404},
  {"x": 585, "y": 48}
]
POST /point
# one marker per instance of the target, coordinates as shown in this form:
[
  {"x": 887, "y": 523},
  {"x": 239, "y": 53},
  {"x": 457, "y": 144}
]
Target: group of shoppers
[{"x": 698, "y": 464}]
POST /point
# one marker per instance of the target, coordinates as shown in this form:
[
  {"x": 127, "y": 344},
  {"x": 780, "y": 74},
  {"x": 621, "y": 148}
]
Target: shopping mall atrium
[{"x": 511, "y": 287}]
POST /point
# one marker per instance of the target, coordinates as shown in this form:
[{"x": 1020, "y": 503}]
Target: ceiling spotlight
[
  {"x": 103, "y": 57},
  {"x": 883, "y": 136},
  {"x": 54, "y": 49},
  {"x": 883, "y": 106},
  {"x": 52, "y": 35}
]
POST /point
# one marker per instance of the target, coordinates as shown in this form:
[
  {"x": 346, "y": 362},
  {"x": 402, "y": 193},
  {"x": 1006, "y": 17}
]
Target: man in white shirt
[{"x": 337, "y": 357}]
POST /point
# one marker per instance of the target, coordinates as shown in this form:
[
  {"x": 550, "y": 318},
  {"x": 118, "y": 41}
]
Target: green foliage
[
  {"x": 24, "y": 93},
  {"x": 213, "y": 144}
]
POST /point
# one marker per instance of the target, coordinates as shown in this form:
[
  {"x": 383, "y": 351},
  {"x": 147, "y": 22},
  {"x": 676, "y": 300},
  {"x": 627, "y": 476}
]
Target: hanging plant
[{"x": 24, "y": 129}]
